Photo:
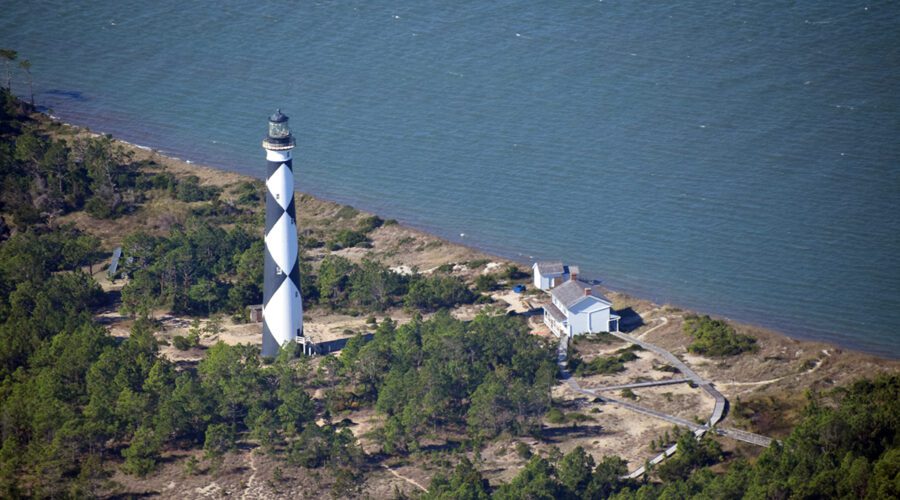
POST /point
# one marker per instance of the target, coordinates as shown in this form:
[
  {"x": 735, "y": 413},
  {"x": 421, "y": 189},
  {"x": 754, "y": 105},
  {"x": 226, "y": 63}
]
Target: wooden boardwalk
[{"x": 689, "y": 376}]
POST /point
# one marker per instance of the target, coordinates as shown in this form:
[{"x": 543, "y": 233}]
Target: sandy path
[
  {"x": 663, "y": 322},
  {"x": 408, "y": 480},
  {"x": 773, "y": 380},
  {"x": 252, "y": 476}
]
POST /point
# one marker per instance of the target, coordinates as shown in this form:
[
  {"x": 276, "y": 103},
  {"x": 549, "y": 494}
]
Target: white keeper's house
[
  {"x": 550, "y": 274},
  {"x": 577, "y": 308}
]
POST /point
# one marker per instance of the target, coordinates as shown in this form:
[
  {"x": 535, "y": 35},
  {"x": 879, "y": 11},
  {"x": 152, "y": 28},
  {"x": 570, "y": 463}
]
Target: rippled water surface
[{"x": 741, "y": 159}]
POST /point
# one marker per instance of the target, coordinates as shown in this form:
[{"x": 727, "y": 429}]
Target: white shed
[{"x": 551, "y": 274}]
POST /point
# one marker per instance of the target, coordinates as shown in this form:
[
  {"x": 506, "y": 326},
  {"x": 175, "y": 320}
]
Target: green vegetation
[
  {"x": 487, "y": 376},
  {"x": 601, "y": 338},
  {"x": 197, "y": 269},
  {"x": 665, "y": 368},
  {"x": 346, "y": 238},
  {"x": 188, "y": 189},
  {"x": 486, "y": 283},
  {"x": 607, "y": 365},
  {"x": 692, "y": 454},
  {"x": 430, "y": 293},
  {"x": 714, "y": 337},
  {"x": 574, "y": 475},
  {"x": 369, "y": 286},
  {"x": 556, "y": 416},
  {"x": 371, "y": 223},
  {"x": 512, "y": 272},
  {"x": 845, "y": 446},
  {"x": 475, "y": 264}
]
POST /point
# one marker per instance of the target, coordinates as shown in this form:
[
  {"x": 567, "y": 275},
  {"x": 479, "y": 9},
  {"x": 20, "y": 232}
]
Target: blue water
[{"x": 740, "y": 158}]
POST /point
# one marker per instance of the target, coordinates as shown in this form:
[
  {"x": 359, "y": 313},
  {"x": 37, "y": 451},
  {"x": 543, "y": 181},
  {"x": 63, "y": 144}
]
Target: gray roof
[
  {"x": 570, "y": 292},
  {"x": 555, "y": 313},
  {"x": 546, "y": 268}
]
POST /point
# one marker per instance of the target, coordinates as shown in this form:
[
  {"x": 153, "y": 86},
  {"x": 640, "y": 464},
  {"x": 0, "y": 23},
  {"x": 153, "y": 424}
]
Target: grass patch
[
  {"x": 347, "y": 212},
  {"x": 607, "y": 365}
]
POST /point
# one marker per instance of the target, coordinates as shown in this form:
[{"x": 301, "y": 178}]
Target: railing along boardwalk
[{"x": 637, "y": 385}]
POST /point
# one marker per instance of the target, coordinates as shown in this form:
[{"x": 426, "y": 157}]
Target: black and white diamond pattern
[{"x": 282, "y": 304}]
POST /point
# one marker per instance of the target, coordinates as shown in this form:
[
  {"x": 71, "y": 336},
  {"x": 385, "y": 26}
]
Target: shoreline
[{"x": 190, "y": 166}]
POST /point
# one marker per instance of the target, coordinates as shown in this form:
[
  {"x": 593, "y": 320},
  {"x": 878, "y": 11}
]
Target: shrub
[
  {"x": 445, "y": 268},
  {"x": 189, "y": 189},
  {"x": 247, "y": 193},
  {"x": 220, "y": 438},
  {"x": 692, "y": 453},
  {"x": 370, "y": 223},
  {"x": 579, "y": 417},
  {"x": 182, "y": 343},
  {"x": 142, "y": 455},
  {"x": 555, "y": 416},
  {"x": 347, "y": 238},
  {"x": 347, "y": 212},
  {"x": 191, "y": 467},
  {"x": 484, "y": 299},
  {"x": 627, "y": 356},
  {"x": 486, "y": 282},
  {"x": 714, "y": 337},
  {"x": 600, "y": 365},
  {"x": 309, "y": 242},
  {"x": 436, "y": 292},
  {"x": 512, "y": 272},
  {"x": 607, "y": 364},
  {"x": 162, "y": 180}
]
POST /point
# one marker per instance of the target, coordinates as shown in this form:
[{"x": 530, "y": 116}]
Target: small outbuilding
[
  {"x": 577, "y": 308},
  {"x": 256, "y": 313},
  {"x": 548, "y": 275}
]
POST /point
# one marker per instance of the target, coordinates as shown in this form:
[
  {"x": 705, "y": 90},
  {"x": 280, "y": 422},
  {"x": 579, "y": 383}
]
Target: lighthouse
[{"x": 282, "y": 304}]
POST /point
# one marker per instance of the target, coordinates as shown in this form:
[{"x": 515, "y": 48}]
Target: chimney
[
  {"x": 587, "y": 292},
  {"x": 573, "y": 273}
]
